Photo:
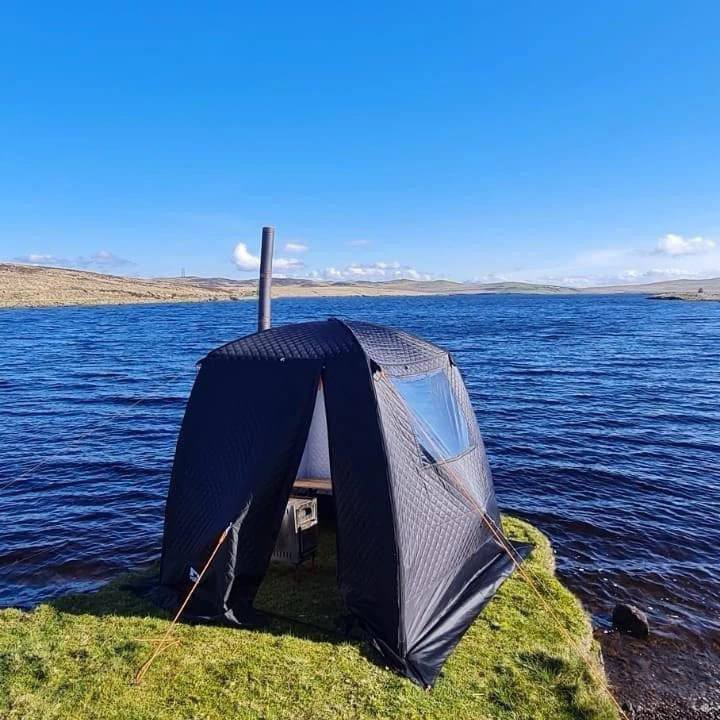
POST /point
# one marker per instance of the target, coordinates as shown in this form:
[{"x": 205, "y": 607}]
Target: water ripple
[{"x": 600, "y": 415}]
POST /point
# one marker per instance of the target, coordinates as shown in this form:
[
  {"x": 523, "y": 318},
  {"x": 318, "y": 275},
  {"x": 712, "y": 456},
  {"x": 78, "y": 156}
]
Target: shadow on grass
[{"x": 300, "y": 602}]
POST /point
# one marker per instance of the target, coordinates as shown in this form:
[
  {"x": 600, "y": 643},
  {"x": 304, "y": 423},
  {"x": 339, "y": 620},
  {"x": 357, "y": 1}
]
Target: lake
[{"x": 600, "y": 415}]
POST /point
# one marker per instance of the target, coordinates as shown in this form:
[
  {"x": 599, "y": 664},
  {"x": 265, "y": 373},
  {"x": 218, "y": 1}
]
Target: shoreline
[
  {"x": 29, "y": 286},
  {"x": 247, "y": 298},
  {"x": 99, "y": 303},
  {"x": 687, "y": 297},
  {"x": 26, "y": 287},
  {"x": 653, "y": 680}
]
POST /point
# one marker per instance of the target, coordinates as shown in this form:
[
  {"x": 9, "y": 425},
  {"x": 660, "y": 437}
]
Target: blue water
[{"x": 601, "y": 417}]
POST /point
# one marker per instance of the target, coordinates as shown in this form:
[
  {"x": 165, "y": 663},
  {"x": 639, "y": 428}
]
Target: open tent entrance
[
  {"x": 314, "y": 475},
  {"x": 310, "y": 596}
]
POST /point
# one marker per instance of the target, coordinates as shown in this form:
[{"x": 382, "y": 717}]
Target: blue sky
[{"x": 525, "y": 141}]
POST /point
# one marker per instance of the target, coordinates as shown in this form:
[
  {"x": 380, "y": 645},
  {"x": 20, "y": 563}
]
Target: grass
[{"x": 76, "y": 657}]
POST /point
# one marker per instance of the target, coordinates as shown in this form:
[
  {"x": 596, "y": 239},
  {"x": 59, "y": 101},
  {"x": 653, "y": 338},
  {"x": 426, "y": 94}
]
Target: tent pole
[{"x": 265, "y": 284}]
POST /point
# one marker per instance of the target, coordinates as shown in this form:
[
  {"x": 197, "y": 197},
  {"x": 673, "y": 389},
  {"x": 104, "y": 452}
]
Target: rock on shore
[{"x": 630, "y": 619}]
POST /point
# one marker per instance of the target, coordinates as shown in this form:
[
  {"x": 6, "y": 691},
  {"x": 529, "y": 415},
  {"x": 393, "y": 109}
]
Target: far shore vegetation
[{"x": 35, "y": 286}]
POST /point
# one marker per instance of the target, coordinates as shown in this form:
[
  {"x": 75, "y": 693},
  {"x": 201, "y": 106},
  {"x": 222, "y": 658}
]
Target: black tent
[{"x": 416, "y": 562}]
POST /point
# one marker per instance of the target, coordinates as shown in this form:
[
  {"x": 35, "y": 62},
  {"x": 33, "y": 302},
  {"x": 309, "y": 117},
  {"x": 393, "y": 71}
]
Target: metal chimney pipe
[{"x": 265, "y": 284}]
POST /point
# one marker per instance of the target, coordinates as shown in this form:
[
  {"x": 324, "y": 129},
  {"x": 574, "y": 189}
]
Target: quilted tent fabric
[{"x": 416, "y": 561}]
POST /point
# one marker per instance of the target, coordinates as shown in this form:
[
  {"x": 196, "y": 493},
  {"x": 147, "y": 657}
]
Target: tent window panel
[{"x": 437, "y": 420}]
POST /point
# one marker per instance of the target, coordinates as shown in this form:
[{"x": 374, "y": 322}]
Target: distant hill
[
  {"x": 288, "y": 286},
  {"x": 33, "y": 286},
  {"x": 710, "y": 286}
]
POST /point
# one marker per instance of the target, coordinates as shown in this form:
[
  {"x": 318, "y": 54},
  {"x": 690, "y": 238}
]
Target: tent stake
[{"x": 164, "y": 642}]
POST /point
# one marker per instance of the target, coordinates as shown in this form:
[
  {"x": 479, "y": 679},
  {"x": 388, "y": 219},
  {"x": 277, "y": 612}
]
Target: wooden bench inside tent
[{"x": 313, "y": 486}]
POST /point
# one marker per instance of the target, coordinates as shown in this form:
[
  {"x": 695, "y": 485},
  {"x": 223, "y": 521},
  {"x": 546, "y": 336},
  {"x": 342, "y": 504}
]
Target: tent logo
[{"x": 194, "y": 575}]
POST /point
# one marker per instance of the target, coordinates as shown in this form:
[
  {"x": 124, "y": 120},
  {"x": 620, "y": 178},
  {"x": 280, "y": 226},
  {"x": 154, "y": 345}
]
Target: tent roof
[{"x": 333, "y": 337}]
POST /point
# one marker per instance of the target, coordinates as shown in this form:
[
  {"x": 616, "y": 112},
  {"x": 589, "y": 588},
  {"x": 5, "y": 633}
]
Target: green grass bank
[{"x": 76, "y": 658}]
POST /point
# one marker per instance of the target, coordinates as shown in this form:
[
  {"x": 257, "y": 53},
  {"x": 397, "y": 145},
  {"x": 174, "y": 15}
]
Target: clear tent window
[{"x": 437, "y": 420}]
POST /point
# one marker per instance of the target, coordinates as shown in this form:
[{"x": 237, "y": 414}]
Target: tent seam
[{"x": 399, "y": 571}]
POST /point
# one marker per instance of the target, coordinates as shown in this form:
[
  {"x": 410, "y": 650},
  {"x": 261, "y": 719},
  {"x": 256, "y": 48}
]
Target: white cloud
[
  {"x": 103, "y": 260},
  {"x": 244, "y": 260},
  {"x": 38, "y": 259},
  {"x": 281, "y": 263},
  {"x": 247, "y": 262},
  {"x": 295, "y": 247},
  {"x": 656, "y": 275},
  {"x": 672, "y": 244},
  {"x": 375, "y": 271},
  {"x": 623, "y": 277},
  {"x": 489, "y": 278},
  {"x": 672, "y": 257},
  {"x": 638, "y": 277}
]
